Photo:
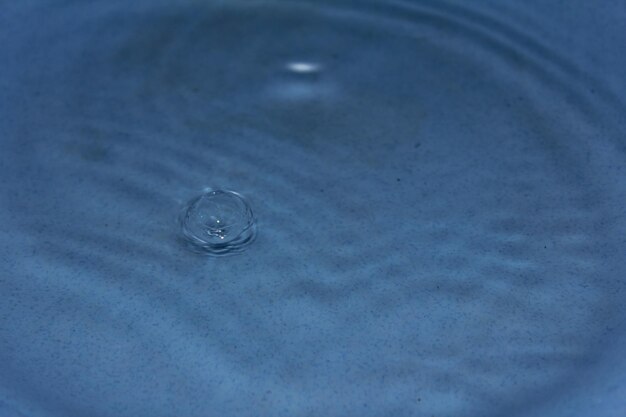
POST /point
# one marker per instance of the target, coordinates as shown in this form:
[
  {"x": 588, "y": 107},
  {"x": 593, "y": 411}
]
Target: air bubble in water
[{"x": 218, "y": 222}]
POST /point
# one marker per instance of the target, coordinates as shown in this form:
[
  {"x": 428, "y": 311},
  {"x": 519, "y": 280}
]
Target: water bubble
[{"x": 218, "y": 222}]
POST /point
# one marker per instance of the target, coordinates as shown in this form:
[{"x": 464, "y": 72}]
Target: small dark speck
[
  {"x": 419, "y": 399},
  {"x": 545, "y": 247},
  {"x": 398, "y": 179},
  {"x": 321, "y": 190},
  {"x": 417, "y": 145}
]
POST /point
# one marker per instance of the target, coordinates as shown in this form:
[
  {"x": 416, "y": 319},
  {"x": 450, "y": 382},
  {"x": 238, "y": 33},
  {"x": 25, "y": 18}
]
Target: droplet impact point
[{"x": 218, "y": 222}]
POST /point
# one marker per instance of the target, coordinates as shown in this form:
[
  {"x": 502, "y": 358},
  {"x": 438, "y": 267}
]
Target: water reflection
[
  {"x": 302, "y": 81},
  {"x": 418, "y": 217},
  {"x": 303, "y": 67}
]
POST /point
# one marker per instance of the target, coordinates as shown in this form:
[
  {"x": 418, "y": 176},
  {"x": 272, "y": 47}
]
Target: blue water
[{"x": 439, "y": 189}]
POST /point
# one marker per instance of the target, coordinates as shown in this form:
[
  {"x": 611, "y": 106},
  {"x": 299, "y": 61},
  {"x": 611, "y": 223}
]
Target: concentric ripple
[{"x": 439, "y": 188}]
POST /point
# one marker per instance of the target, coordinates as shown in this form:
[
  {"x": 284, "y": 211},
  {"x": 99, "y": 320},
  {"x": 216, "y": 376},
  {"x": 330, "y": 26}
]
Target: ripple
[{"x": 429, "y": 207}]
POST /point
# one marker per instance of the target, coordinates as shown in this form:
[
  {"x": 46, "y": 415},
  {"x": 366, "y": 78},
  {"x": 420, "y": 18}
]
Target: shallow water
[{"x": 440, "y": 192}]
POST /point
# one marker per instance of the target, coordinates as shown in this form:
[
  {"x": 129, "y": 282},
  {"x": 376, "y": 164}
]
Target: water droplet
[{"x": 218, "y": 222}]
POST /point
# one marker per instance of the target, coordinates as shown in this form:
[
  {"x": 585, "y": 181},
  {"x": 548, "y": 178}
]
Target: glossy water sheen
[{"x": 440, "y": 190}]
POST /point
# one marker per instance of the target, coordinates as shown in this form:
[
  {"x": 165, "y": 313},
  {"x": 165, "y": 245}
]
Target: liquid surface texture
[{"x": 439, "y": 188}]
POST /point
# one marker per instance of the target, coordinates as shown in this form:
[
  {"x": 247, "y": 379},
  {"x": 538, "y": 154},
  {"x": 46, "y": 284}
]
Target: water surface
[{"x": 439, "y": 190}]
